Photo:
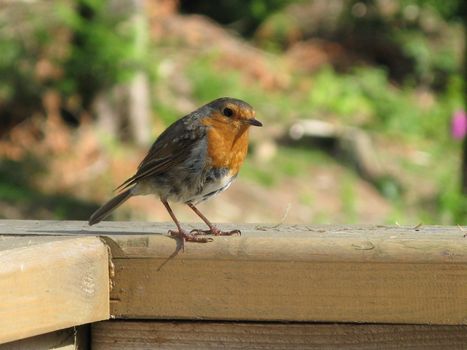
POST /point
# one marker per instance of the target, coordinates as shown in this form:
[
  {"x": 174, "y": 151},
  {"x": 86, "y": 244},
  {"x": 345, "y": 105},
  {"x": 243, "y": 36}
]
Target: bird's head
[{"x": 232, "y": 111}]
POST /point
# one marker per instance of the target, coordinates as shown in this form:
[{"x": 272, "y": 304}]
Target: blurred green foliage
[
  {"x": 289, "y": 162},
  {"x": 20, "y": 51},
  {"x": 449, "y": 10},
  {"x": 101, "y": 50},
  {"x": 102, "y": 53},
  {"x": 366, "y": 94},
  {"x": 414, "y": 40},
  {"x": 244, "y": 19},
  {"x": 90, "y": 46}
]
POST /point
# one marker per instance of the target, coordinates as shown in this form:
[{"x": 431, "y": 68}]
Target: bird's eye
[{"x": 227, "y": 112}]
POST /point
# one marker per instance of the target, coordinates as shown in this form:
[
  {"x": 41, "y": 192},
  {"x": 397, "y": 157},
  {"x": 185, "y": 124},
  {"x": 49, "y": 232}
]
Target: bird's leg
[
  {"x": 183, "y": 234},
  {"x": 213, "y": 230}
]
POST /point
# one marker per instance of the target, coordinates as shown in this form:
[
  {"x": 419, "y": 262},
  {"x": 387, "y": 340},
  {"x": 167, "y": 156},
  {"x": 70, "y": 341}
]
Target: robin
[{"x": 195, "y": 158}]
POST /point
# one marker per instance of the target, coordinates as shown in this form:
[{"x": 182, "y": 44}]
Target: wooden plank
[
  {"x": 130, "y": 335},
  {"x": 292, "y": 291},
  {"x": 75, "y": 338},
  {"x": 337, "y": 275},
  {"x": 379, "y": 274},
  {"x": 51, "y": 285}
]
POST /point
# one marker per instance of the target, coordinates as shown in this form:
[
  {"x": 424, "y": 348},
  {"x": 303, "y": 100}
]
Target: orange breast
[{"x": 227, "y": 144}]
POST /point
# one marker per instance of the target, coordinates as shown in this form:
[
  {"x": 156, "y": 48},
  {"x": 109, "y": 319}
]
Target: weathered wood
[
  {"x": 76, "y": 338},
  {"x": 51, "y": 283},
  {"x": 130, "y": 335},
  {"x": 341, "y": 274},
  {"x": 376, "y": 274}
]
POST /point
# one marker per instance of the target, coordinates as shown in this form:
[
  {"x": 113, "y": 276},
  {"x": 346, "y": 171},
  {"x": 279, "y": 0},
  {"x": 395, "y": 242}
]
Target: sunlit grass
[{"x": 287, "y": 163}]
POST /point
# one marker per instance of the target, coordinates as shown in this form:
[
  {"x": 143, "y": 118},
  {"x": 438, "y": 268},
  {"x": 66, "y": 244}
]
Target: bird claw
[
  {"x": 215, "y": 231},
  {"x": 196, "y": 235},
  {"x": 189, "y": 237}
]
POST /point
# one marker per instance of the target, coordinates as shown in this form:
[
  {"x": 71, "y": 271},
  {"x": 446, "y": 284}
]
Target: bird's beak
[{"x": 254, "y": 122}]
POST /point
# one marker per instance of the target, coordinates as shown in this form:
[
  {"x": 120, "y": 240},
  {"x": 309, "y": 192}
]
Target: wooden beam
[
  {"x": 330, "y": 274},
  {"x": 128, "y": 335},
  {"x": 50, "y": 283},
  {"x": 377, "y": 274},
  {"x": 75, "y": 338}
]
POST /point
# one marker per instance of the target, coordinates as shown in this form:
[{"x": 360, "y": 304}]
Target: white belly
[{"x": 212, "y": 188}]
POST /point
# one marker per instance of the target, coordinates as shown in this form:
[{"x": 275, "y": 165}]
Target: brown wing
[{"x": 171, "y": 148}]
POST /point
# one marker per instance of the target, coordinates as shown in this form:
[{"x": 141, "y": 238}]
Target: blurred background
[{"x": 363, "y": 104}]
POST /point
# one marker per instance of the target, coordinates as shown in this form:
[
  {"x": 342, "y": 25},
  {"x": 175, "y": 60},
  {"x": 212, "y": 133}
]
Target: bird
[{"x": 194, "y": 159}]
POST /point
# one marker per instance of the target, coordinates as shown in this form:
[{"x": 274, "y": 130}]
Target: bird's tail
[{"x": 101, "y": 213}]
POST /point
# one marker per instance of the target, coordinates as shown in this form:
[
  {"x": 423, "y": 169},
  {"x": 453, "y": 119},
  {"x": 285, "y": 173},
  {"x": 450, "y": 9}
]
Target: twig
[
  {"x": 462, "y": 230},
  {"x": 281, "y": 222}
]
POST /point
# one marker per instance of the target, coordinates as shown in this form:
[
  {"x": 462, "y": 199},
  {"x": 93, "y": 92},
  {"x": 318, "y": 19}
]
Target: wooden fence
[{"x": 127, "y": 285}]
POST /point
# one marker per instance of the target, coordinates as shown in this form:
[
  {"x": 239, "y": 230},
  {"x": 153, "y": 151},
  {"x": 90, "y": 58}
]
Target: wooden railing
[{"x": 304, "y": 286}]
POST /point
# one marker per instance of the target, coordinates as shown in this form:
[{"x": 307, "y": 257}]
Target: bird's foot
[
  {"x": 189, "y": 237},
  {"x": 216, "y": 232}
]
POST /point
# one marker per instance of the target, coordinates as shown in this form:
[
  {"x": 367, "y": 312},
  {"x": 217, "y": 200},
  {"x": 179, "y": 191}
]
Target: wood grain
[
  {"x": 335, "y": 274},
  {"x": 130, "y": 335},
  {"x": 291, "y": 291},
  {"x": 51, "y": 284},
  {"x": 346, "y": 273}
]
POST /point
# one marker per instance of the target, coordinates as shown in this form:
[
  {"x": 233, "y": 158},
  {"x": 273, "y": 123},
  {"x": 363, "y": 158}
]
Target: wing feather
[{"x": 170, "y": 149}]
